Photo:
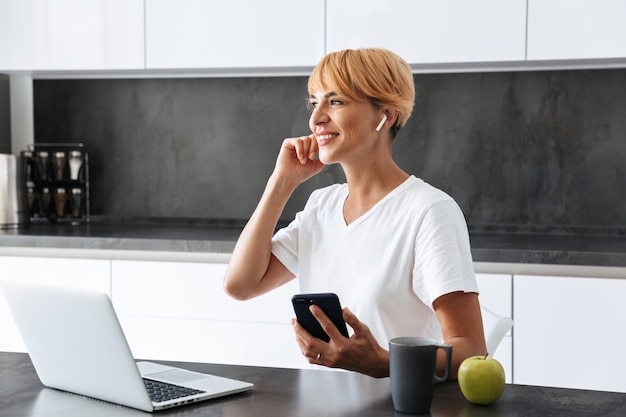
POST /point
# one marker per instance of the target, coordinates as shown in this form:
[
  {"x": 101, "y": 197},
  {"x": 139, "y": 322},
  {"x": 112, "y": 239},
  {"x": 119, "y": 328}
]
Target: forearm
[
  {"x": 462, "y": 348},
  {"x": 251, "y": 256},
  {"x": 461, "y": 326}
]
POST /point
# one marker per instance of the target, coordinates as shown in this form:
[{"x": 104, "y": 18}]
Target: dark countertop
[
  {"x": 220, "y": 237},
  {"x": 301, "y": 393},
  {"x": 557, "y": 249},
  {"x": 143, "y": 236}
]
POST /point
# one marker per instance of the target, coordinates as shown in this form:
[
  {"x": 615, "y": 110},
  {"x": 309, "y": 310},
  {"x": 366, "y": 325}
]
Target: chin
[{"x": 325, "y": 159}]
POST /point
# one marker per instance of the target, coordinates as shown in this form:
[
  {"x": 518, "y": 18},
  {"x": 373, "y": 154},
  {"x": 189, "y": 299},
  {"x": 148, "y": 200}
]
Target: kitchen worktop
[
  {"x": 220, "y": 236},
  {"x": 292, "y": 392}
]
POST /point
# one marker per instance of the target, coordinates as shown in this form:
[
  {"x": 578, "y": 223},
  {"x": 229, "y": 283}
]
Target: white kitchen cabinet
[
  {"x": 179, "y": 311},
  {"x": 17, "y": 35},
  {"x": 496, "y": 294},
  {"x": 431, "y": 31},
  {"x": 71, "y": 35},
  {"x": 233, "y": 34},
  {"x": 570, "y": 332},
  {"x": 78, "y": 273},
  {"x": 576, "y": 29}
]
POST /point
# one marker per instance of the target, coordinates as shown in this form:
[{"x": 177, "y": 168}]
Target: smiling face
[
  {"x": 375, "y": 75},
  {"x": 345, "y": 128}
]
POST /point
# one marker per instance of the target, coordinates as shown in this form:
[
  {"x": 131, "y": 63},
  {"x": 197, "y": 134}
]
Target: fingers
[
  {"x": 311, "y": 347},
  {"x": 314, "y": 148},
  {"x": 361, "y": 352},
  {"x": 305, "y": 147},
  {"x": 296, "y": 161},
  {"x": 348, "y": 316},
  {"x": 326, "y": 323},
  {"x": 357, "y": 325}
]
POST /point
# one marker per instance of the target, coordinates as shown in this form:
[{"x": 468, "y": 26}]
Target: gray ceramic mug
[{"x": 412, "y": 368}]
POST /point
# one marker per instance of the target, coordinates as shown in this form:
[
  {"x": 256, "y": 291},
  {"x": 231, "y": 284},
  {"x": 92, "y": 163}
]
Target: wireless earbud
[{"x": 382, "y": 122}]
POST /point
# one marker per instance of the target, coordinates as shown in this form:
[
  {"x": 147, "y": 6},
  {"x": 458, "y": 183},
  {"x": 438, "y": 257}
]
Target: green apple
[{"x": 481, "y": 379}]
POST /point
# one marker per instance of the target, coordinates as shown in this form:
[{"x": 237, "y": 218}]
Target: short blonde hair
[{"x": 368, "y": 74}]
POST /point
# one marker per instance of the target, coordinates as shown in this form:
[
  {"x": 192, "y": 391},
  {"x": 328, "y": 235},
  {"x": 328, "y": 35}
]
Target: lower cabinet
[
  {"x": 496, "y": 294},
  {"x": 78, "y": 273},
  {"x": 170, "y": 310},
  {"x": 570, "y": 332},
  {"x": 179, "y": 311}
]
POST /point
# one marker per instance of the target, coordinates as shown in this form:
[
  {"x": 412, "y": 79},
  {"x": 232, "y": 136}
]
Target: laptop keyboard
[{"x": 163, "y": 391}]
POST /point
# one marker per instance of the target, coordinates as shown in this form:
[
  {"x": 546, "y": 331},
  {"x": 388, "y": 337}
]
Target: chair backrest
[{"x": 495, "y": 327}]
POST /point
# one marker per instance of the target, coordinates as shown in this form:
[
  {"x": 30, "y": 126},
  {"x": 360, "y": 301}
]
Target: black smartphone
[{"x": 329, "y": 303}]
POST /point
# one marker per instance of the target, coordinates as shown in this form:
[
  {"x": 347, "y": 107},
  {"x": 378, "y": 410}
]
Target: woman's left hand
[{"x": 361, "y": 352}]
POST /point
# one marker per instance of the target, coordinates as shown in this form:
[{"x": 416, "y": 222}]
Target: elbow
[
  {"x": 235, "y": 290},
  {"x": 232, "y": 290},
  {"x": 235, "y": 293}
]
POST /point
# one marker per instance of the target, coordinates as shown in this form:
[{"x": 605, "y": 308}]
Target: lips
[{"x": 324, "y": 138}]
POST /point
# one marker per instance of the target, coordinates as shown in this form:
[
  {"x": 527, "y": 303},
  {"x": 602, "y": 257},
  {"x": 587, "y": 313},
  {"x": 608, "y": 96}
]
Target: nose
[{"x": 319, "y": 115}]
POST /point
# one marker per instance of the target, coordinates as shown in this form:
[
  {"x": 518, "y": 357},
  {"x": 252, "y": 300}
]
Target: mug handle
[{"x": 439, "y": 379}]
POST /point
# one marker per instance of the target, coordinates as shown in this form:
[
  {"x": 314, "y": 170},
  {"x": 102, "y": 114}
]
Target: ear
[
  {"x": 389, "y": 117},
  {"x": 392, "y": 116}
]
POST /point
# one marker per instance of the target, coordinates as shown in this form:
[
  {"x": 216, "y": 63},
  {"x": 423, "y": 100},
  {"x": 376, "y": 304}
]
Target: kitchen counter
[
  {"x": 290, "y": 392},
  {"x": 537, "y": 248},
  {"x": 220, "y": 237},
  {"x": 169, "y": 237}
]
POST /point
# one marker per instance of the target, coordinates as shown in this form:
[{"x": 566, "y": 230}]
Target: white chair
[{"x": 495, "y": 327}]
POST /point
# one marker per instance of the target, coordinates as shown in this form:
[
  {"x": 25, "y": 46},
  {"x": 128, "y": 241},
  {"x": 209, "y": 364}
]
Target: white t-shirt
[{"x": 390, "y": 264}]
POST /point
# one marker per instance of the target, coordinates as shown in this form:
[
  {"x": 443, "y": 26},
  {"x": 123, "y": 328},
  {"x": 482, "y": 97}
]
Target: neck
[
  {"x": 367, "y": 186},
  {"x": 378, "y": 175}
]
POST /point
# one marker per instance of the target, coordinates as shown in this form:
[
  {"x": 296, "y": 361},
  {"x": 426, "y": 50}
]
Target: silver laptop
[{"x": 76, "y": 344}]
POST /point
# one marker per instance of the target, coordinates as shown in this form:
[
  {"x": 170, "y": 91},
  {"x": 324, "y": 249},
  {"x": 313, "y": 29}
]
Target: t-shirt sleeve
[
  {"x": 443, "y": 259},
  {"x": 285, "y": 244}
]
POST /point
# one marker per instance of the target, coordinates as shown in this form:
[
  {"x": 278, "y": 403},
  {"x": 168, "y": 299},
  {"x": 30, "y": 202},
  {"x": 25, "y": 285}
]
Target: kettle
[{"x": 13, "y": 203}]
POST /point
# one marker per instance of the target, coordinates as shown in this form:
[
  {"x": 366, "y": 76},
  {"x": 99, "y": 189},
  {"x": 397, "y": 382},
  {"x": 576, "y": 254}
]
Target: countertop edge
[
  {"x": 504, "y": 268},
  {"x": 581, "y": 271},
  {"x": 117, "y": 254},
  {"x": 509, "y": 253}
]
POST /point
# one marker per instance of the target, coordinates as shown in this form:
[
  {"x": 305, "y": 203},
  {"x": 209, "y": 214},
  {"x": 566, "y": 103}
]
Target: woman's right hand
[
  {"x": 297, "y": 159},
  {"x": 252, "y": 269}
]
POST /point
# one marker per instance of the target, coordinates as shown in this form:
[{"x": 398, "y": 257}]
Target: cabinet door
[
  {"x": 442, "y": 31},
  {"x": 79, "y": 273},
  {"x": 496, "y": 293},
  {"x": 17, "y": 35},
  {"x": 71, "y": 35},
  {"x": 179, "y": 311},
  {"x": 576, "y": 29},
  {"x": 569, "y": 332},
  {"x": 233, "y": 34}
]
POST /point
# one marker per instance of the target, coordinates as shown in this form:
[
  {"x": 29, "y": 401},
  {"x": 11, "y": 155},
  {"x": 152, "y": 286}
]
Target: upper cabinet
[
  {"x": 286, "y": 36},
  {"x": 443, "y": 31},
  {"x": 576, "y": 29},
  {"x": 233, "y": 34},
  {"x": 71, "y": 35}
]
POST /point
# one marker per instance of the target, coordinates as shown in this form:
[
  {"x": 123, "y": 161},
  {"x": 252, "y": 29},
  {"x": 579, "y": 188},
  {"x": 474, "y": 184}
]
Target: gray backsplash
[
  {"x": 530, "y": 150},
  {"x": 5, "y": 115}
]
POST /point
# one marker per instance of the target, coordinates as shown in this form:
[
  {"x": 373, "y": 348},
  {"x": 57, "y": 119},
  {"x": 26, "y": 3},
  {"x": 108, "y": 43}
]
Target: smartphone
[{"x": 329, "y": 303}]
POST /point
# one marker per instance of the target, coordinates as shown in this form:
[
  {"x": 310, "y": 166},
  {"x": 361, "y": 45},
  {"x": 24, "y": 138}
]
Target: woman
[{"x": 395, "y": 249}]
